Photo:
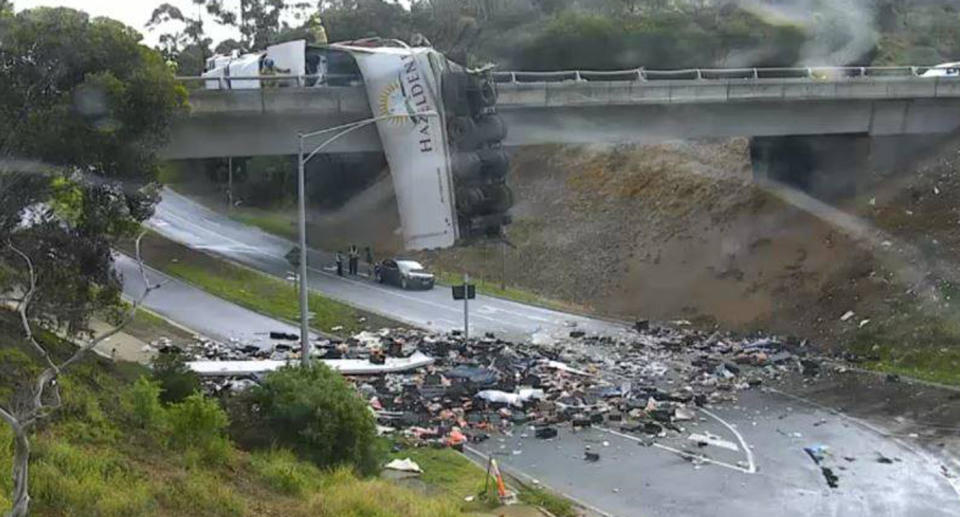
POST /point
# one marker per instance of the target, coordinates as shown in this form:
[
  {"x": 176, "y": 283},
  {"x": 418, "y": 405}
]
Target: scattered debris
[
  {"x": 404, "y": 465},
  {"x": 847, "y": 315},
  {"x": 647, "y": 381}
]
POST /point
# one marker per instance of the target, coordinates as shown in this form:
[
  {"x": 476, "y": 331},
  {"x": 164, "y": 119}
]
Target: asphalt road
[
  {"x": 756, "y": 467},
  {"x": 198, "y": 310},
  {"x": 185, "y": 221}
]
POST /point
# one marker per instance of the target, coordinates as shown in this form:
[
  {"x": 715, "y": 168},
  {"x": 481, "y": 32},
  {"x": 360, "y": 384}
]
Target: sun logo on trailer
[{"x": 393, "y": 102}]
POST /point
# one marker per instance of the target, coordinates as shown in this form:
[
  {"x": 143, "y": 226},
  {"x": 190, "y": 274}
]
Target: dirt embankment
[{"x": 681, "y": 231}]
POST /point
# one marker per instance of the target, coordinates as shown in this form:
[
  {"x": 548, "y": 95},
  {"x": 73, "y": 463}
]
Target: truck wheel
[
  {"x": 491, "y": 128},
  {"x": 462, "y": 131},
  {"x": 467, "y": 165},
  {"x": 495, "y": 162}
]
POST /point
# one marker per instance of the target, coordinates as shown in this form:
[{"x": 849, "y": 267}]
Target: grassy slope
[
  {"x": 251, "y": 289},
  {"x": 147, "y": 326},
  {"x": 91, "y": 460},
  {"x": 456, "y": 477}
]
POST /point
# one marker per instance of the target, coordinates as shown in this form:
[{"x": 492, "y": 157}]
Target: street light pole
[
  {"x": 302, "y": 214},
  {"x": 302, "y": 223}
]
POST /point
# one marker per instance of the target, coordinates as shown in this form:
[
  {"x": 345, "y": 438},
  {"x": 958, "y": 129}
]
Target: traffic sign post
[{"x": 465, "y": 292}]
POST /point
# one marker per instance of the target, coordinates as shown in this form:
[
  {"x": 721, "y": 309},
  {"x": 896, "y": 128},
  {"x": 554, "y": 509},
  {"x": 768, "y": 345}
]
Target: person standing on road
[
  {"x": 354, "y": 259},
  {"x": 369, "y": 257},
  {"x": 339, "y": 264}
]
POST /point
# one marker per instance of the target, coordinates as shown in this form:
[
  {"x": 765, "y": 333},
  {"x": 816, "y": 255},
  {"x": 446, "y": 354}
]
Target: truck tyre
[
  {"x": 483, "y": 93},
  {"x": 491, "y": 128},
  {"x": 467, "y": 166},
  {"x": 462, "y": 132},
  {"x": 495, "y": 162},
  {"x": 499, "y": 198}
]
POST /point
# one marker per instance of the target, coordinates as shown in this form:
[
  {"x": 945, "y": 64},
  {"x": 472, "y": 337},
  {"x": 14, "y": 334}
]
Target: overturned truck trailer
[{"x": 442, "y": 139}]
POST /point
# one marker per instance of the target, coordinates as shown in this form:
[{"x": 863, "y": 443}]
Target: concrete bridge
[
  {"x": 817, "y": 129},
  {"x": 558, "y": 108}
]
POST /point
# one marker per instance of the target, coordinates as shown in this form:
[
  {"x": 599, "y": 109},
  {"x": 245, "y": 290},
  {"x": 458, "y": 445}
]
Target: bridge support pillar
[
  {"x": 828, "y": 167},
  {"x": 835, "y": 167}
]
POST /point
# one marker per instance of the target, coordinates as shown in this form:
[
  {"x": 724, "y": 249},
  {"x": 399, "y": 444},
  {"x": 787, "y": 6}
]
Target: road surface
[
  {"x": 198, "y": 310},
  {"x": 185, "y": 221},
  {"x": 756, "y": 465}
]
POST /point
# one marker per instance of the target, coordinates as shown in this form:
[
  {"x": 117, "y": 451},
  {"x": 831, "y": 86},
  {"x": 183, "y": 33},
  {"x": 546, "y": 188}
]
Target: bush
[
  {"x": 201, "y": 493},
  {"x": 197, "y": 425},
  {"x": 313, "y": 411},
  {"x": 142, "y": 402},
  {"x": 177, "y": 381},
  {"x": 283, "y": 472}
]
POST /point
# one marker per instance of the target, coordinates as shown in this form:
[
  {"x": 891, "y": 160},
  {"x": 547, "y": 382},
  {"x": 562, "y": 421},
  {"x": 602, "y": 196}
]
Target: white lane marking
[
  {"x": 752, "y": 467},
  {"x": 519, "y": 474},
  {"x": 679, "y": 452},
  {"x": 950, "y": 476},
  {"x": 713, "y": 440}
]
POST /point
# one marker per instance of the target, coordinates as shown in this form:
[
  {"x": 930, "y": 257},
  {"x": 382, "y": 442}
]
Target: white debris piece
[
  {"x": 714, "y": 440},
  {"x": 344, "y": 366},
  {"x": 563, "y": 367},
  {"x": 863, "y": 322},
  {"x": 847, "y": 315},
  {"x": 368, "y": 339},
  {"x": 404, "y": 465},
  {"x": 514, "y": 399}
]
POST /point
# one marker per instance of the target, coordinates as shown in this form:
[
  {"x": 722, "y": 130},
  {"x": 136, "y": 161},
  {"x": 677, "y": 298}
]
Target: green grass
[
  {"x": 914, "y": 344},
  {"x": 276, "y": 222},
  {"x": 509, "y": 293},
  {"x": 453, "y": 475},
  {"x": 92, "y": 458},
  {"x": 458, "y": 477},
  {"x": 147, "y": 326},
  {"x": 552, "y": 503},
  {"x": 251, "y": 289},
  {"x": 263, "y": 294}
]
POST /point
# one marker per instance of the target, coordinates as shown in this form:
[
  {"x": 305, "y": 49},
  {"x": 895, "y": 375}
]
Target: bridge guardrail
[{"x": 627, "y": 75}]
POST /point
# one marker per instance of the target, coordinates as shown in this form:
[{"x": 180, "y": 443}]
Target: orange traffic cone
[{"x": 495, "y": 470}]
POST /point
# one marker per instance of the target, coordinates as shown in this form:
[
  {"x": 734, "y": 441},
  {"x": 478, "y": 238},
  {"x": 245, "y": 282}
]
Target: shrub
[
  {"x": 313, "y": 411},
  {"x": 142, "y": 402},
  {"x": 283, "y": 472},
  {"x": 197, "y": 425},
  {"x": 177, "y": 381}
]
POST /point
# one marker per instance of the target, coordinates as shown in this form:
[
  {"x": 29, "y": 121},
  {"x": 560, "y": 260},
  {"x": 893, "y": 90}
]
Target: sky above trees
[{"x": 134, "y": 13}]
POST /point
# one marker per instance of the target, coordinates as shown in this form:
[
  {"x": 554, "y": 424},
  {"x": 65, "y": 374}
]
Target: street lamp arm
[
  {"x": 302, "y": 213},
  {"x": 346, "y": 129}
]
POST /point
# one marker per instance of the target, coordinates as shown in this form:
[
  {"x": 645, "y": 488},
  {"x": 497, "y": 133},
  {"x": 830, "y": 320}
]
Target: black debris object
[{"x": 545, "y": 433}]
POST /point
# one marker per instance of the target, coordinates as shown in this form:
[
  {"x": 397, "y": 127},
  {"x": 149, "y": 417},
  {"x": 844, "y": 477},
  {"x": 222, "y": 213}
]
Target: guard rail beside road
[{"x": 628, "y": 75}]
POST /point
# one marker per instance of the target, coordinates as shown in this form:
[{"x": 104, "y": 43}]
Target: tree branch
[
  {"x": 9, "y": 418},
  {"x": 147, "y": 289},
  {"x": 24, "y": 305}
]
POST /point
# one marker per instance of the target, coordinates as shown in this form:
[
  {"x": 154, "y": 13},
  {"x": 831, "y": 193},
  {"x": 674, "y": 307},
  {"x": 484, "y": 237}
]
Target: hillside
[{"x": 111, "y": 452}]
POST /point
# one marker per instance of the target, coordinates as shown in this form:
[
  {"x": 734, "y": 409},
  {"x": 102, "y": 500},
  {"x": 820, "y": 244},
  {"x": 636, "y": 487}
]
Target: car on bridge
[
  {"x": 405, "y": 273},
  {"x": 943, "y": 70}
]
